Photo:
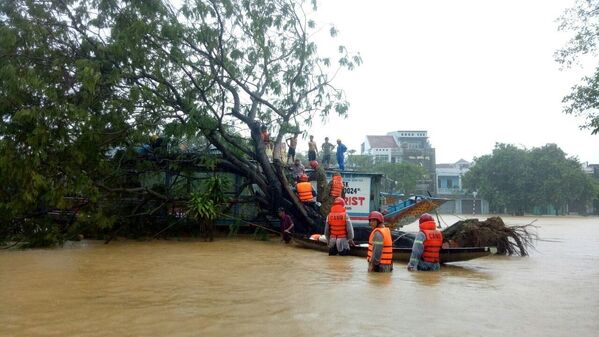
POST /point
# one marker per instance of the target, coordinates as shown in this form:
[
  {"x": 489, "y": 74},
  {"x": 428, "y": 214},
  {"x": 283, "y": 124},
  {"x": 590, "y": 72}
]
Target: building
[
  {"x": 410, "y": 146},
  {"x": 381, "y": 149},
  {"x": 449, "y": 177},
  {"x": 449, "y": 186}
]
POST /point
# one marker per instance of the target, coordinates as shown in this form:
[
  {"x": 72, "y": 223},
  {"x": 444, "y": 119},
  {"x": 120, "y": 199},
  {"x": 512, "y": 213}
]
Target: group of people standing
[
  {"x": 327, "y": 149},
  {"x": 313, "y": 152}
]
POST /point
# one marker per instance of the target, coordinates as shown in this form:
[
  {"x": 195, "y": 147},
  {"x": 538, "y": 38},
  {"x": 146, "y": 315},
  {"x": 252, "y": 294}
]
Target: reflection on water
[{"x": 246, "y": 287}]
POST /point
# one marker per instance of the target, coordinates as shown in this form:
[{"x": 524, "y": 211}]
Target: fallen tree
[
  {"x": 85, "y": 78},
  {"x": 509, "y": 240}
]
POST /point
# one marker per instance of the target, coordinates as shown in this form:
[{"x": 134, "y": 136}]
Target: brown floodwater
[{"x": 243, "y": 287}]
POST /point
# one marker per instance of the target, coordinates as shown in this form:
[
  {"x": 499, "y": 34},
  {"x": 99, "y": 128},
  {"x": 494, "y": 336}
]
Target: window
[{"x": 381, "y": 158}]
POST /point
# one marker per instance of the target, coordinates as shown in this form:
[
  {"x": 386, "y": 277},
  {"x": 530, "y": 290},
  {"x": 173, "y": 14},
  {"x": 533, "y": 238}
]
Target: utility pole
[{"x": 474, "y": 202}]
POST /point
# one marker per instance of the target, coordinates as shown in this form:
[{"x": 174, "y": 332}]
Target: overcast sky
[{"x": 471, "y": 73}]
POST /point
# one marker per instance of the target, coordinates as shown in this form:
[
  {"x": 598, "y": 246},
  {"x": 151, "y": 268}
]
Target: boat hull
[{"x": 447, "y": 255}]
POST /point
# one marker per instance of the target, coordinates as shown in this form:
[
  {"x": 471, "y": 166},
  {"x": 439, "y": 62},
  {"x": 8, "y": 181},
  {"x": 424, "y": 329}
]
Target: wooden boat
[
  {"x": 404, "y": 212},
  {"x": 447, "y": 255}
]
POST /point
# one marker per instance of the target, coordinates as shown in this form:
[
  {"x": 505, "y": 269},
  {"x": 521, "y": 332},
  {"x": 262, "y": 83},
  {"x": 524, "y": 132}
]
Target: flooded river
[{"x": 242, "y": 287}]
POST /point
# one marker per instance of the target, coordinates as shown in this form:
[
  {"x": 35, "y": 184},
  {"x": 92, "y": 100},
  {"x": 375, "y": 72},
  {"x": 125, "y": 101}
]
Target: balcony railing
[{"x": 446, "y": 190}]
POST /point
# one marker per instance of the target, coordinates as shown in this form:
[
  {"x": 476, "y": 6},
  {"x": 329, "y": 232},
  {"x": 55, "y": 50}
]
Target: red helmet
[
  {"x": 303, "y": 177},
  {"x": 313, "y": 164},
  {"x": 425, "y": 217},
  {"x": 376, "y": 216},
  {"x": 339, "y": 201}
]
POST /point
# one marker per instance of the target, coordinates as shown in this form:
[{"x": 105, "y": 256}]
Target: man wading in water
[
  {"x": 286, "y": 225},
  {"x": 380, "y": 245},
  {"x": 428, "y": 242},
  {"x": 338, "y": 229}
]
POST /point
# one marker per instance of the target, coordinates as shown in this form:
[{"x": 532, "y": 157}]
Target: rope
[
  {"x": 251, "y": 224},
  {"x": 399, "y": 237}
]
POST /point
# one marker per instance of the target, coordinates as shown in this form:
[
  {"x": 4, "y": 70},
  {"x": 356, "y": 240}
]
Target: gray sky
[{"x": 471, "y": 73}]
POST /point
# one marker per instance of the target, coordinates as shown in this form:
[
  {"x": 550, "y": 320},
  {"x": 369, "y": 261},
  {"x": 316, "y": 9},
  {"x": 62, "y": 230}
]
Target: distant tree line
[{"x": 516, "y": 180}]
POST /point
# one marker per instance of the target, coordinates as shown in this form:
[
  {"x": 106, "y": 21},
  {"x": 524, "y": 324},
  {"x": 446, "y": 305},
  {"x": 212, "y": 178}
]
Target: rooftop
[{"x": 384, "y": 142}]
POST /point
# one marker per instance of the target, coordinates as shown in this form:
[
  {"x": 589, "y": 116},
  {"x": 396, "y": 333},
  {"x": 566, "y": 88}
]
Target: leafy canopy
[
  {"x": 517, "y": 179},
  {"x": 583, "y": 21}
]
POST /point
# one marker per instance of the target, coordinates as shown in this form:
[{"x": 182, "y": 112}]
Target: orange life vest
[
  {"x": 304, "y": 191},
  {"x": 336, "y": 187},
  {"x": 433, "y": 242},
  {"x": 387, "y": 256},
  {"x": 337, "y": 221}
]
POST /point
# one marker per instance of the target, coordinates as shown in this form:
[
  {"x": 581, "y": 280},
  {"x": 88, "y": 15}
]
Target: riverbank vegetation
[{"x": 516, "y": 181}]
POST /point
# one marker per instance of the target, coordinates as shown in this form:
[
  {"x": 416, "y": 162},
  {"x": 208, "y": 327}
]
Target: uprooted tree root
[{"x": 509, "y": 240}]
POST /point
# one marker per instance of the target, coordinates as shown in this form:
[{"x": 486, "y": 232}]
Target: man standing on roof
[
  {"x": 312, "y": 149},
  {"x": 292, "y": 143},
  {"x": 427, "y": 244},
  {"x": 380, "y": 245},
  {"x": 338, "y": 229},
  {"x": 327, "y": 148},
  {"x": 341, "y": 148}
]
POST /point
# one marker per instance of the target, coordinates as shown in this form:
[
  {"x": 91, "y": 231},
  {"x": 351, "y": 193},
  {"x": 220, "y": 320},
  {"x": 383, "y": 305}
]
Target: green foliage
[
  {"x": 583, "y": 20},
  {"x": 517, "y": 180},
  {"x": 202, "y": 207},
  {"x": 208, "y": 203},
  {"x": 80, "y": 79},
  {"x": 400, "y": 177},
  {"x": 404, "y": 175}
]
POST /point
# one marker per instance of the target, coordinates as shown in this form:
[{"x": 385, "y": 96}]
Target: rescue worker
[
  {"x": 305, "y": 191},
  {"x": 427, "y": 244},
  {"x": 380, "y": 245},
  {"x": 338, "y": 229},
  {"x": 336, "y": 185},
  {"x": 306, "y": 194}
]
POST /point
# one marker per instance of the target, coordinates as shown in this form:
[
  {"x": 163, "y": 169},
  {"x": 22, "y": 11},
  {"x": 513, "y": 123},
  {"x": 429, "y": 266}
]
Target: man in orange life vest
[
  {"x": 427, "y": 244},
  {"x": 305, "y": 193},
  {"x": 338, "y": 229},
  {"x": 380, "y": 245},
  {"x": 336, "y": 185},
  {"x": 304, "y": 190}
]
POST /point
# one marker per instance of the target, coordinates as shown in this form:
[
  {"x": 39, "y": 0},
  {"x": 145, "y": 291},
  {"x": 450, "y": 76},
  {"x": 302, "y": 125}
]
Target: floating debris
[{"x": 509, "y": 240}]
